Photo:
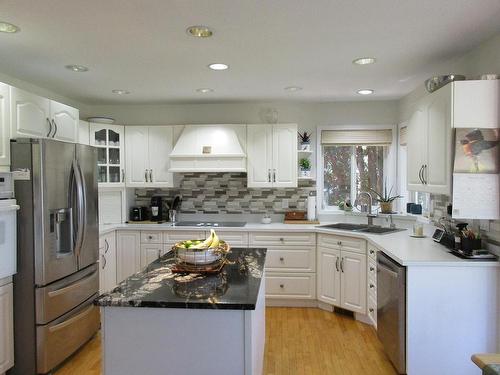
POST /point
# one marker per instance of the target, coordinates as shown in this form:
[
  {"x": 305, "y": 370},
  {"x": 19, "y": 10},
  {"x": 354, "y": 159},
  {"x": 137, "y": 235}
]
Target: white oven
[{"x": 8, "y": 238}]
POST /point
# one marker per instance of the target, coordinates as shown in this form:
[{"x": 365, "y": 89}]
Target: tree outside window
[{"x": 349, "y": 170}]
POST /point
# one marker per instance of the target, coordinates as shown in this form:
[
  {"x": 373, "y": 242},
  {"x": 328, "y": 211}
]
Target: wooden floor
[{"x": 298, "y": 341}]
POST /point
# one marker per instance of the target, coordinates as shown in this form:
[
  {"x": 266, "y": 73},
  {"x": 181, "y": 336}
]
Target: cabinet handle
[
  {"x": 274, "y": 175},
  {"x": 282, "y": 239},
  {"x": 372, "y": 252},
  {"x": 420, "y": 174},
  {"x": 104, "y": 261},
  {"x": 150, "y": 175},
  {"x": 372, "y": 286},
  {"x": 424, "y": 174},
  {"x": 55, "y": 128},
  {"x": 342, "y": 265},
  {"x": 282, "y": 286},
  {"x": 107, "y": 246},
  {"x": 268, "y": 175},
  {"x": 372, "y": 269},
  {"x": 50, "y": 127},
  {"x": 282, "y": 259},
  {"x": 337, "y": 264},
  {"x": 339, "y": 243},
  {"x": 123, "y": 175},
  {"x": 371, "y": 309},
  {"x": 146, "y": 175}
]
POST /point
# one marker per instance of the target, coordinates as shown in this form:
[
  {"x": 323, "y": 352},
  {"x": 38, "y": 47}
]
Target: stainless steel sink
[{"x": 363, "y": 228}]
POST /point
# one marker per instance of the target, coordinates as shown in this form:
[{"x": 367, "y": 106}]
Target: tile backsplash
[{"x": 227, "y": 193}]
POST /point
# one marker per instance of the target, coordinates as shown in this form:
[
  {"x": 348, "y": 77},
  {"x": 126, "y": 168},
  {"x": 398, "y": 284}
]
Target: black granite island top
[{"x": 236, "y": 287}]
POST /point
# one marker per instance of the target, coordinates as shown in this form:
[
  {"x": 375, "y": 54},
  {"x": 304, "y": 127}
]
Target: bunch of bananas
[{"x": 211, "y": 242}]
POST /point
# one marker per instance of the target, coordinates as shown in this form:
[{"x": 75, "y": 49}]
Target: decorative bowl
[{"x": 200, "y": 256}]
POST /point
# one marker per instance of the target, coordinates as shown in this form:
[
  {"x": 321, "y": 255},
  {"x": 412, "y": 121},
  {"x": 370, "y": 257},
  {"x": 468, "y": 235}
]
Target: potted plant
[
  {"x": 385, "y": 200},
  {"x": 305, "y": 167},
  {"x": 305, "y": 141}
]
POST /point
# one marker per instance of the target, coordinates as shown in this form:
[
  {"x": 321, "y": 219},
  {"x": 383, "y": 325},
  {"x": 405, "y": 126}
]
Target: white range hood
[{"x": 210, "y": 148}]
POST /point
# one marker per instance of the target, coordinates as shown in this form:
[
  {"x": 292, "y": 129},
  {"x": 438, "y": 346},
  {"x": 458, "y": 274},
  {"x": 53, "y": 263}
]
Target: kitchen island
[{"x": 161, "y": 322}]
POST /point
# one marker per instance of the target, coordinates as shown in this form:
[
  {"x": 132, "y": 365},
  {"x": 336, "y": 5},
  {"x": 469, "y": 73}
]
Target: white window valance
[{"x": 381, "y": 137}]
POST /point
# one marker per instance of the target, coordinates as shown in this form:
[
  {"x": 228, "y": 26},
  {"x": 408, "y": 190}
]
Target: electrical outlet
[
  {"x": 284, "y": 203},
  {"x": 484, "y": 225}
]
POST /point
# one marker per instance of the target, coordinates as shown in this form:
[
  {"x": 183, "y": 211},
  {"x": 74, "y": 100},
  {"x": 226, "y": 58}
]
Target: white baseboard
[{"x": 325, "y": 306}]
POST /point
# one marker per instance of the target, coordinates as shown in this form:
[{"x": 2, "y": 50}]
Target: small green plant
[
  {"x": 304, "y": 137},
  {"x": 304, "y": 164},
  {"x": 385, "y": 196}
]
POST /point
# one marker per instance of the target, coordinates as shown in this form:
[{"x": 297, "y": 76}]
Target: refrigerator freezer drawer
[
  {"x": 60, "y": 297},
  {"x": 58, "y": 340}
]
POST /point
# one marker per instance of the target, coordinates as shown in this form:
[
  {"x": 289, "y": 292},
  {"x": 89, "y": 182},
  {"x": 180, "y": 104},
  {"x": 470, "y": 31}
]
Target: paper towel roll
[{"x": 311, "y": 208}]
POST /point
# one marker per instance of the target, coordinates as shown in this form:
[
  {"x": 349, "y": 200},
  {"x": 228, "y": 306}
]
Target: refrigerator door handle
[{"x": 80, "y": 203}]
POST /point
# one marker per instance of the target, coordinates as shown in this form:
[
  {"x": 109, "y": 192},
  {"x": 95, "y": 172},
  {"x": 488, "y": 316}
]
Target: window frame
[{"x": 390, "y": 162}]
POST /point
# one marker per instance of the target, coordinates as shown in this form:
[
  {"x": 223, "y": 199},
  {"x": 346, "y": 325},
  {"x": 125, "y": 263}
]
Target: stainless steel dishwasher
[{"x": 391, "y": 309}]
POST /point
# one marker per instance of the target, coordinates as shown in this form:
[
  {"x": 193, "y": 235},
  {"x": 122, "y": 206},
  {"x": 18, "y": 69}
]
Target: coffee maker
[{"x": 156, "y": 209}]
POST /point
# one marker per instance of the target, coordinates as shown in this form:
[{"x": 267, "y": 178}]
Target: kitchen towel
[{"x": 311, "y": 208}]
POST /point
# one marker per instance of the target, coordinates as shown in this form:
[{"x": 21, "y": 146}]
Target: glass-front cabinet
[{"x": 110, "y": 142}]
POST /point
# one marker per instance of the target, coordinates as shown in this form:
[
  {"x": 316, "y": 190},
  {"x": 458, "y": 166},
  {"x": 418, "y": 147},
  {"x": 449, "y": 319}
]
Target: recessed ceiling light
[
  {"x": 365, "y": 91},
  {"x": 293, "y": 88},
  {"x": 364, "y": 60},
  {"x": 77, "y": 68},
  {"x": 199, "y": 31},
  {"x": 120, "y": 92},
  {"x": 204, "y": 90},
  {"x": 6, "y": 27},
  {"x": 218, "y": 66}
]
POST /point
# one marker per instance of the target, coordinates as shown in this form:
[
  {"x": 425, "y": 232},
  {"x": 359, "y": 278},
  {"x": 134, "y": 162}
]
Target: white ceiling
[{"x": 142, "y": 46}]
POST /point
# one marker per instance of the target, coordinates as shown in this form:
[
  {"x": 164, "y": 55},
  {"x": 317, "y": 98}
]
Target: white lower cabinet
[
  {"x": 342, "y": 274},
  {"x": 328, "y": 270},
  {"x": 150, "y": 253},
  {"x": 290, "y": 264},
  {"x": 107, "y": 262},
  {"x": 6, "y": 327},
  {"x": 128, "y": 256}
]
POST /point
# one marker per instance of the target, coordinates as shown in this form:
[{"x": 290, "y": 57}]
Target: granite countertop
[{"x": 236, "y": 287}]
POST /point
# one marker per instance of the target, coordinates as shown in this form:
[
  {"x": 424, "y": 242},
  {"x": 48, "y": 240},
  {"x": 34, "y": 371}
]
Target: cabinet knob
[
  {"x": 150, "y": 237},
  {"x": 282, "y": 286},
  {"x": 372, "y": 286},
  {"x": 339, "y": 243},
  {"x": 282, "y": 259},
  {"x": 282, "y": 239},
  {"x": 372, "y": 269},
  {"x": 372, "y": 252},
  {"x": 371, "y": 309}
]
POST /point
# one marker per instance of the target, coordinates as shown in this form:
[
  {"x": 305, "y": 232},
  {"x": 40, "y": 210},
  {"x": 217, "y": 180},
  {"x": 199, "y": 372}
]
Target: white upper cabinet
[
  {"x": 30, "y": 115},
  {"x": 110, "y": 150},
  {"x": 83, "y": 132},
  {"x": 37, "y": 117},
  {"x": 429, "y": 162},
  {"x": 259, "y": 155},
  {"x": 476, "y": 104},
  {"x": 4, "y": 125},
  {"x": 147, "y": 154},
  {"x": 137, "y": 155},
  {"x": 65, "y": 121},
  {"x": 272, "y": 155}
]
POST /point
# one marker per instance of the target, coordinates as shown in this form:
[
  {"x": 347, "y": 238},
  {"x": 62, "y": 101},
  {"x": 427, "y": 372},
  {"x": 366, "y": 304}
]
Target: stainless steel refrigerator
[{"x": 58, "y": 241}]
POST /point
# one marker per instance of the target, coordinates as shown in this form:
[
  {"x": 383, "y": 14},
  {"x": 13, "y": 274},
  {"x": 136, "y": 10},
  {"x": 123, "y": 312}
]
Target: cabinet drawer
[
  {"x": 172, "y": 237},
  {"x": 234, "y": 238},
  {"x": 372, "y": 310},
  {"x": 290, "y": 259},
  {"x": 372, "y": 252},
  {"x": 151, "y": 237},
  {"x": 266, "y": 239},
  {"x": 356, "y": 245},
  {"x": 294, "y": 286},
  {"x": 372, "y": 269}
]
